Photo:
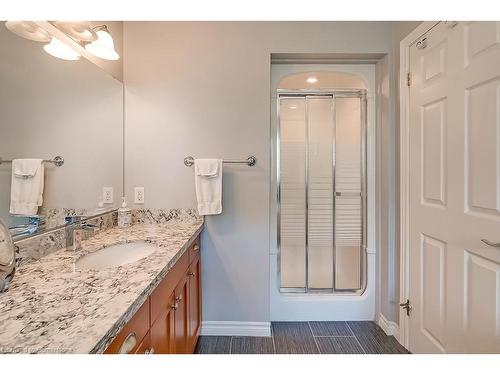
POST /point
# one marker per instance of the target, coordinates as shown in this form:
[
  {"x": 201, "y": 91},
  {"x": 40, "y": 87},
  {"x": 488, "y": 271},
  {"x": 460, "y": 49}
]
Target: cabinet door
[
  {"x": 194, "y": 274},
  {"x": 162, "y": 329},
  {"x": 145, "y": 346},
  {"x": 181, "y": 316}
]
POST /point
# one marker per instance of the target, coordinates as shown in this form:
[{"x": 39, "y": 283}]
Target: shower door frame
[{"x": 333, "y": 93}]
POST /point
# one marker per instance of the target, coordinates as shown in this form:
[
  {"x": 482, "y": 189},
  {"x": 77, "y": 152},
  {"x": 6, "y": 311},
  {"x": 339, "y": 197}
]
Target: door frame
[
  {"x": 404, "y": 175},
  {"x": 319, "y": 306},
  {"x": 360, "y": 94}
]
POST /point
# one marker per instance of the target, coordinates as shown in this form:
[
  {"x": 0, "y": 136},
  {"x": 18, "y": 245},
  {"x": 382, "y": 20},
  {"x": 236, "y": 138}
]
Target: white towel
[
  {"x": 208, "y": 182},
  {"x": 26, "y": 193}
]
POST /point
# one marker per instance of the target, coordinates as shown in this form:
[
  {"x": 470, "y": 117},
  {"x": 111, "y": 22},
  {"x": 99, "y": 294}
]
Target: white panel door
[{"x": 455, "y": 190}]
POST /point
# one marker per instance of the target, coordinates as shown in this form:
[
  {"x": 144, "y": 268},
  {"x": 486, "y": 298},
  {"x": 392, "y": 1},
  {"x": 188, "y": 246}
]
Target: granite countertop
[{"x": 53, "y": 308}]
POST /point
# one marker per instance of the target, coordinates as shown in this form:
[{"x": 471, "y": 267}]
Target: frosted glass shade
[
  {"x": 78, "y": 30},
  {"x": 103, "y": 47},
  {"x": 28, "y": 30},
  {"x": 60, "y": 50}
]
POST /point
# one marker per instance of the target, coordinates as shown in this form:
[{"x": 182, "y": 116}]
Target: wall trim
[
  {"x": 389, "y": 327},
  {"x": 232, "y": 328}
]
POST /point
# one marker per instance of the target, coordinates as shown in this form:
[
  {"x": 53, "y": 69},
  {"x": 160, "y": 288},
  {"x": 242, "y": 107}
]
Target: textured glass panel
[
  {"x": 320, "y": 192},
  {"x": 292, "y": 193},
  {"x": 348, "y": 221}
]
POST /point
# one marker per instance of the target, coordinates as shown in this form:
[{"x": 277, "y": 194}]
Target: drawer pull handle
[
  {"x": 129, "y": 343},
  {"x": 190, "y": 273},
  {"x": 174, "y": 306},
  {"x": 196, "y": 247}
]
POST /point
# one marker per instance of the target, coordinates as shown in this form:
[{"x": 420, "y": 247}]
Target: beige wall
[
  {"x": 52, "y": 107},
  {"x": 203, "y": 89}
]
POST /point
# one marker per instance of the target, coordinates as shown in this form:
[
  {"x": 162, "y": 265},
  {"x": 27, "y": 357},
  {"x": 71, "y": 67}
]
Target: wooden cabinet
[
  {"x": 131, "y": 335},
  {"x": 162, "y": 330},
  {"x": 170, "y": 320},
  {"x": 145, "y": 347},
  {"x": 181, "y": 316},
  {"x": 194, "y": 283}
]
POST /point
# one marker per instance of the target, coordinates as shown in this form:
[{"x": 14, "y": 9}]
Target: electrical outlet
[
  {"x": 139, "y": 195},
  {"x": 107, "y": 195}
]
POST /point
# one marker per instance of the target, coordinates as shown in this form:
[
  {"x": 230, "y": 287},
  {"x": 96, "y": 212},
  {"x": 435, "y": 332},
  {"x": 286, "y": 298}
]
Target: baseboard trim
[
  {"x": 390, "y": 328},
  {"x": 218, "y": 328}
]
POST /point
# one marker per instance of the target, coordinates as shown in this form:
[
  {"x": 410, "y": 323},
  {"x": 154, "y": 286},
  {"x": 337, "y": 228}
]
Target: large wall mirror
[{"x": 53, "y": 107}]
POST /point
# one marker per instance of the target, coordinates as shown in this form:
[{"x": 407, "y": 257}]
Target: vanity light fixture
[
  {"x": 103, "y": 47},
  {"x": 60, "y": 50},
  {"x": 78, "y": 30},
  {"x": 28, "y": 30},
  {"x": 312, "y": 79},
  {"x": 97, "y": 41}
]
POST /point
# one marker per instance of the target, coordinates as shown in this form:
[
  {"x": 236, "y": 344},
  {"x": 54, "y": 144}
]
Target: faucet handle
[
  {"x": 90, "y": 226},
  {"x": 74, "y": 219}
]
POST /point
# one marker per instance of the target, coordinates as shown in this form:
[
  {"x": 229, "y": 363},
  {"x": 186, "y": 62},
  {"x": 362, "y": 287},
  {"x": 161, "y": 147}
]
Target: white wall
[
  {"x": 203, "y": 89},
  {"x": 52, "y": 107},
  {"x": 389, "y": 176}
]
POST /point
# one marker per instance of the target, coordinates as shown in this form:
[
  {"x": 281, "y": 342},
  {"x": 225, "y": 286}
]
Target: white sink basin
[{"x": 116, "y": 255}]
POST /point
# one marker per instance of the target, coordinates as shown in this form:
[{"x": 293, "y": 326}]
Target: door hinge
[
  {"x": 408, "y": 79},
  {"x": 406, "y": 306}
]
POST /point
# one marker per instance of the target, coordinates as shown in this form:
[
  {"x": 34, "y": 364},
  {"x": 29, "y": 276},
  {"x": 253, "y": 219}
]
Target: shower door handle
[{"x": 347, "y": 194}]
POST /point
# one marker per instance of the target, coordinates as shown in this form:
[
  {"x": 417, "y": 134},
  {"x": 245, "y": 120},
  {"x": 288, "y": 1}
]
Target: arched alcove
[{"x": 321, "y": 80}]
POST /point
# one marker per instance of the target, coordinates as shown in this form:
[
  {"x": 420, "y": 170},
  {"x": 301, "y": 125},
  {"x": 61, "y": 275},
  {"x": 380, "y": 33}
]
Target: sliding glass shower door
[{"x": 321, "y": 191}]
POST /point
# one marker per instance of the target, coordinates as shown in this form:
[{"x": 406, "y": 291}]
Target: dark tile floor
[{"x": 307, "y": 338}]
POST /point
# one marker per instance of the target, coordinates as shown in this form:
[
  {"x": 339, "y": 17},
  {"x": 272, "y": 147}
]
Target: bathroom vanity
[
  {"x": 151, "y": 305},
  {"x": 118, "y": 290},
  {"x": 169, "y": 321}
]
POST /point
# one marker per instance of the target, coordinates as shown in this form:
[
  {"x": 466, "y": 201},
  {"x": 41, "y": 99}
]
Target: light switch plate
[
  {"x": 107, "y": 195},
  {"x": 139, "y": 195}
]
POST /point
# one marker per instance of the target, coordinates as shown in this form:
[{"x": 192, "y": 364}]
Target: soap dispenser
[{"x": 124, "y": 215}]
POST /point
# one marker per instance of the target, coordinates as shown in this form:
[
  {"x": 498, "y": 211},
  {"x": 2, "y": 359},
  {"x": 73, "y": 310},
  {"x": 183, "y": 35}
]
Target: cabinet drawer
[
  {"x": 131, "y": 335},
  {"x": 194, "y": 250},
  {"x": 160, "y": 298}
]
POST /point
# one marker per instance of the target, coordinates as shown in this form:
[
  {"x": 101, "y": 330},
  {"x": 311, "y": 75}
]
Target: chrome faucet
[{"x": 73, "y": 224}]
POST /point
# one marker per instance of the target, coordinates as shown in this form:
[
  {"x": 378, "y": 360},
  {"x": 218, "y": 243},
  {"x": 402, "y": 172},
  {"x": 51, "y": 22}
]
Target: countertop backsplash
[
  {"x": 162, "y": 215},
  {"x": 32, "y": 249}
]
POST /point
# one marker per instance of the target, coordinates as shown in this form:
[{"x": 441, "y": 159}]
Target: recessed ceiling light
[{"x": 312, "y": 80}]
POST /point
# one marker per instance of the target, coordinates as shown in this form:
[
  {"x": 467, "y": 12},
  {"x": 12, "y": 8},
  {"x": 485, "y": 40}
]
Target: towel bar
[
  {"x": 250, "y": 161},
  {"x": 58, "y": 161}
]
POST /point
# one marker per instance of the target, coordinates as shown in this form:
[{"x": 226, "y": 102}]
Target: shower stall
[{"x": 321, "y": 190}]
